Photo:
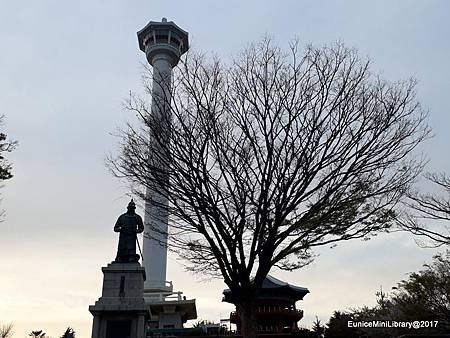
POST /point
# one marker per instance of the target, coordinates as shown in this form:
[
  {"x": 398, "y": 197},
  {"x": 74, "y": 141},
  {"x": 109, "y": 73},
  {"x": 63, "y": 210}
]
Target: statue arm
[
  {"x": 118, "y": 226},
  {"x": 140, "y": 225}
]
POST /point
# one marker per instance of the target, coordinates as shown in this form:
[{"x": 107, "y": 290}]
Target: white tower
[{"x": 163, "y": 43}]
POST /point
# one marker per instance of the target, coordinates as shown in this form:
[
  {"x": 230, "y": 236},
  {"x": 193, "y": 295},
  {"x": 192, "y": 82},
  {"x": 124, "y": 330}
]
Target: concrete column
[
  {"x": 156, "y": 217},
  {"x": 96, "y": 327},
  {"x": 140, "y": 327},
  {"x": 102, "y": 328}
]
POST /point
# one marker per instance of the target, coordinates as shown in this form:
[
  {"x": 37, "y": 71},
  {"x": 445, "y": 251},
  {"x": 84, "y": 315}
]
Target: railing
[
  {"x": 155, "y": 286},
  {"x": 164, "y": 296},
  {"x": 269, "y": 310}
]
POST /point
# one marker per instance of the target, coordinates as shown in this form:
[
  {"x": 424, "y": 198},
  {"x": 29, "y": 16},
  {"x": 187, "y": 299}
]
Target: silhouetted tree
[
  {"x": 267, "y": 158},
  {"x": 318, "y": 329},
  {"x": 6, "y": 330},
  {"x": 338, "y": 327},
  {"x": 305, "y": 333},
  {"x": 37, "y": 334},
  {"x": 69, "y": 333},
  {"x": 201, "y": 322},
  {"x": 6, "y": 146},
  {"x": 423, "y": 296},
  {"x": 429, "y": 214}
]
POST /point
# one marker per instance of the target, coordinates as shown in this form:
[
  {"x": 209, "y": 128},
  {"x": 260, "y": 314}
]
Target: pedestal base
[
  {"x": 119, "y": 326},
  {"x": 121, "y": 310}
]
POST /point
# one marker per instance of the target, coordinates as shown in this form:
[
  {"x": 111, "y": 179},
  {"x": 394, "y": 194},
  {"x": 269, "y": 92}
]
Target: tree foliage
[
  {"x": 424, "y": 296},
  {"x": 37, "y": 334},
  {"x": 337, "y": 326},
  {"x": 318, "y": 329},
  {"x": 429, "y": 213},
  {"x": 6, "y": 146},
  {"x": 6, "y": 330},
  {"x": 69, "y": 333},
  {"x": 265, "y": 159}
]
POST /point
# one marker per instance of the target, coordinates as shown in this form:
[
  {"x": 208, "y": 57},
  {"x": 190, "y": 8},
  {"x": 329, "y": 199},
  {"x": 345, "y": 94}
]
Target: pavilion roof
[{"x": 274, "y": 288}]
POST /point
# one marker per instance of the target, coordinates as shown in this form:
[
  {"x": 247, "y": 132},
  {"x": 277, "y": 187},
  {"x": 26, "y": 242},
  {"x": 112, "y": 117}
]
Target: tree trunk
[{"x": 249, "y": 325}]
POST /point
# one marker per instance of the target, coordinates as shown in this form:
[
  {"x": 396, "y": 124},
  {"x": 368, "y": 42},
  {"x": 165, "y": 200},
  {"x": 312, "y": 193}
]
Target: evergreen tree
[
  {"x": 37, "y": 334},
  {"x": 69, "y": 333}
]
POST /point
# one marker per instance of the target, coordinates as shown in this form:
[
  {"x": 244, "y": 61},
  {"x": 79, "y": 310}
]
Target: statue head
[{"x": 131, "y": 207}]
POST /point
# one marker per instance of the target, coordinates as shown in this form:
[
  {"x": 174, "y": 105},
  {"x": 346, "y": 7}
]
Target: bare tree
[
  {"x": 6, "y": 330},
  {"x": 265, "y": 159},
  {"x": 6, "y": 146},
  {"x": 428, "y": 214}
]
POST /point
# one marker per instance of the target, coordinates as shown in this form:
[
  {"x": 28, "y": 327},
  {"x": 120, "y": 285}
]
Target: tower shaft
[
  {"x": 156, "y": 215},
  {"x": 163, "y": 43}
]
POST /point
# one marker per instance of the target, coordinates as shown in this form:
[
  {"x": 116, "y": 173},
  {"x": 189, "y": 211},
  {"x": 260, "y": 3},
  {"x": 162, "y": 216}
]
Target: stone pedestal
[{"x": 121, "y": 311}]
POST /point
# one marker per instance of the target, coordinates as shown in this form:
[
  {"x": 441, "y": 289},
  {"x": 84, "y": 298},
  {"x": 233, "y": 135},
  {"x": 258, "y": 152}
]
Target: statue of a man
[{"x": 129, "y": 225}]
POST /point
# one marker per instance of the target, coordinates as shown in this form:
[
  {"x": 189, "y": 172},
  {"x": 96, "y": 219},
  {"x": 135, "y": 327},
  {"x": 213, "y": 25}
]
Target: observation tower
[{"x": 163, "y": 43}]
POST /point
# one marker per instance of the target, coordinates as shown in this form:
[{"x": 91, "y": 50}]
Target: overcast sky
[{"x": 65, "y": 69}]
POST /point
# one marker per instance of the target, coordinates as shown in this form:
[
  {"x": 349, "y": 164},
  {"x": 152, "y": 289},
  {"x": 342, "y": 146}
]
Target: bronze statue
[{"x": 129, "y": 225}]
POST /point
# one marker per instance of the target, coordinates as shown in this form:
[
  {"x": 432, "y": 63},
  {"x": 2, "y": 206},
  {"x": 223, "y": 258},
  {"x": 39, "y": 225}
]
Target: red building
[{"x": 275, "y": 309}]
